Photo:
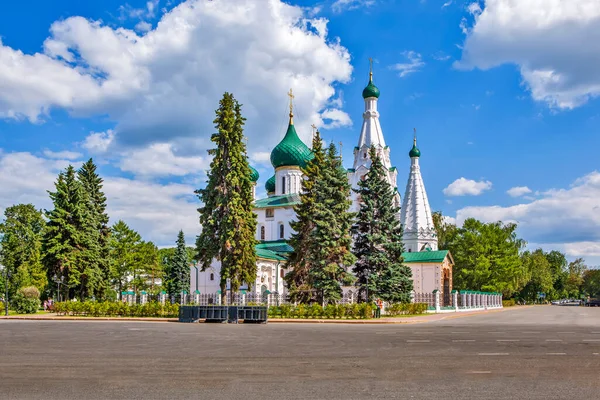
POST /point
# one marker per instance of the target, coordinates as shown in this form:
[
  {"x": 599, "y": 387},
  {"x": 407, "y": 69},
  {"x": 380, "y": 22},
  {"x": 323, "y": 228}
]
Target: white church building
[{"x": 431, "y": 268}]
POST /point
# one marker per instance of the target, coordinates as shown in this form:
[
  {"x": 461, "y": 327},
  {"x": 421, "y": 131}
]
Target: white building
[{"x": 431, "y": 268}]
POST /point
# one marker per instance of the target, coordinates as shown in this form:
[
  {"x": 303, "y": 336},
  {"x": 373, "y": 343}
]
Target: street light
[{"x": 58, "y": 281}]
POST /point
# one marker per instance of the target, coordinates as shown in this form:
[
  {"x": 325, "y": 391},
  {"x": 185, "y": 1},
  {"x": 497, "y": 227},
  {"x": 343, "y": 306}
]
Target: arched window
[
  {"x": 283, "y": 185},
  {"x": 364, "y": 155},
  {"x": 212, "y": 276},
  {"x": 281, "y": 273},
  {"x": 262, "y": 232},
  {"x": 281, "y": 231}
]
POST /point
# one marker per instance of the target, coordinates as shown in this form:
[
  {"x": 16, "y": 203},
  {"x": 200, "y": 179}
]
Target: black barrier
[{"x": 231, "y": 314}]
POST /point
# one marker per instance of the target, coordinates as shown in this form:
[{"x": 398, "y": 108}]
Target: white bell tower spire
[
  {"x": 415, "y": 216},
  {"x": 370, "y": 135}
]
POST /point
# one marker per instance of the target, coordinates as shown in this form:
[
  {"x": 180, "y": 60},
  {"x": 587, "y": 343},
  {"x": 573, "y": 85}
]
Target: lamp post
[
  {"x": 58, "y": 282},
  {"x": 6, "y": 290},
  {"x": 196, "y": 268}
]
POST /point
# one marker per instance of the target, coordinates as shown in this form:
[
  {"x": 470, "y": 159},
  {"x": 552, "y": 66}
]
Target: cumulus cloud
[
  {"x": 414, "y": 64},
  {"x": 345, "y": 5},
  {"x": 467, "y": 187},
  {"x": 518, "y": 191},
  {"x": 161, "y": 160},
  {"x": 65, "y": 155},
  {"x": 568, "y": 216},
  {"x": 98, "y": 142},
  {"x": 554, "y": 43},
  {"x": 157, "y": 211},
  {"x": 167, "y": 83}
]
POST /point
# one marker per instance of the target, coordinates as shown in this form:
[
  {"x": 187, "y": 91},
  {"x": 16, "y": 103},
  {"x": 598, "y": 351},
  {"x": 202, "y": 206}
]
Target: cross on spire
[
  {"x": 415, "y": 136},
  {"x": 291, "y": 96},
  {"x": 370, "y": 68},
  {"x": 341, "y": 146},
  {"x": 314, "y": 128}
]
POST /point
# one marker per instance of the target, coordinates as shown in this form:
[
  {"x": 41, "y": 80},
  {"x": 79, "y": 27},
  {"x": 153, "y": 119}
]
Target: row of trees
[
  {"x": 73, "y": 245},
  {"x": 491, "y": 257}
]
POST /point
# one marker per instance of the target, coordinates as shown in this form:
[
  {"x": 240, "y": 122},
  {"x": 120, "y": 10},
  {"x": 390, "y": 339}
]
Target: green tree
[
  {"x": 539, "y": 272},
  {"x": 69, "y": 246},
  {"x": 332, "y": 239},
  {"x": 124, "y": 246},
  {"x": 98, "y": 219},
  {"x": 378, "y": 245},
  {"x": 227, "y": 218},
  {"x": 591, "y": 283},
  {"x": 575, "y": 278},
  {"x": 179, "y": 268},
  {"x": 301, "y": 260},
  {"x": 445, "y": 230},
  {"x": 20, "y": 247},
  {"x": 486, "y": 257},
  {"x": 147, "y": 267}
]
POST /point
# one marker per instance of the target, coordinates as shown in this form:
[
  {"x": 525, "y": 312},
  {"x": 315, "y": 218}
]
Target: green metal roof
[
  {"x": 414, "y": 152},
  {"x": 284, "y": 200},
  {"x": 278, "y": 246},
  {"x": 425, "y": 256},
  {"x": 270, "y": 185},
  {"x": 392, "y": 169},
  {"x": 291, "y": 151},
  {"x": 370, "y": 91},
  {"x": 253, "y": 174},
  {"x": 351, "y": 170},
  {"x": 268, "y": 254}
]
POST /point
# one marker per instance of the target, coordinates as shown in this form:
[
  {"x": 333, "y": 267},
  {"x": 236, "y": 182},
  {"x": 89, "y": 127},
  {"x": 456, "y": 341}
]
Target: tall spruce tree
[
  {"x": 331, "y": 253},
  {"x": 92, "y": 184},
  {"x": 69, "y": 248},
  {"x": 123, "y": 244},
  {"x": 301, "y": 260},
  {"x": 378, "y": 243},
  {"x": 179, "y": 269},
  {"x": 227, "y": 220}
]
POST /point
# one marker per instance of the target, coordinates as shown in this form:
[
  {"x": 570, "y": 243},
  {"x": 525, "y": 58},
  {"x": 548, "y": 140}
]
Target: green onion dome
[
  {"x": 371, "y": 90},
  {"x": 270, "y": 185},
  {"x": 253, "y": 174},
  {"x": 291, "y": 151},
  {"x": 414, "y": 152}
]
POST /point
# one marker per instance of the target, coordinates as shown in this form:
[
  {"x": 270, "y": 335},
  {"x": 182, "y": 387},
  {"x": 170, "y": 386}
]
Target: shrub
[
  {"x": 25, "y": 305},
  {"x": 116, "y": 309},
  {"x": 508, "y": 303},
  {"x": 1, "y": 307},
  {"x": 30, "y": 292},
  {"x": 406, "y": 309}
]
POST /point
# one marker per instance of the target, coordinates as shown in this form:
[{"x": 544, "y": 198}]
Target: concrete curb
[{"x": 71, "y": 318}]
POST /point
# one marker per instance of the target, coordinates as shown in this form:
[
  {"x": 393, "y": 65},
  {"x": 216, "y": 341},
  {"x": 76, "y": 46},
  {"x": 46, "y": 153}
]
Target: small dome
[
  {"x": 414, "y": 152},
  {"x": 291, "y": 151},
  {"x": 270, "y": 185},
  {"x": 253, "y": 174},
  {"x": 371, "y": 90}
]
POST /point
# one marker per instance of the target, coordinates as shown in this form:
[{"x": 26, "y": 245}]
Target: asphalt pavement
[{"x": 543, "y": 352}]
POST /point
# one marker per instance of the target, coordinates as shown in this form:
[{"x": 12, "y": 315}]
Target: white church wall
[
  {"x": 426, "y": 277},
  {"x": 281, "y": 217}
]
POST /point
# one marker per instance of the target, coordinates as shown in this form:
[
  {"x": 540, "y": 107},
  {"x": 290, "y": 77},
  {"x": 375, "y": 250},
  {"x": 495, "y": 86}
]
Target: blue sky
[{"x": 502, "y": 98}]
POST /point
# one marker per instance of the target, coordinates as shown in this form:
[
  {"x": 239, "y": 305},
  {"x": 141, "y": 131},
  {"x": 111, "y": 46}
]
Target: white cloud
[
  {"x": 143, "y": 26},
  {"x": 155, "y": 210},
  {"x": 568, "y": 216},
  {"x": 166, "y": 84},
  {"x": 161, "y": 160},
  {"x": 261, "y": 157},
  {"x": 467, "y": 187},
  {"x": 518, "y": 191},
  {"x": 65, "y": 155},
  {"x": 98, "y": 142},
  {"x": 447, "y": 4},
  {"x": 344, "y": 5},
  {"x": 555, "y": 44},
  {"x": 414, "y": 64},
  {"x": 441, "y": 56}
]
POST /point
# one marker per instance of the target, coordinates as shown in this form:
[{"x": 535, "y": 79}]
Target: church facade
[{"x": 431, "y": 268}]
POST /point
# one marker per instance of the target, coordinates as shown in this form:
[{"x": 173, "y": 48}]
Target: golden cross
[
  {"x": 341, "y": 145},
  {"x": 415, "y": 136},
  {"x": 314, "y": 127},
  {"x": 291, "y": 96},
  {"x": 371, "y": 68}
]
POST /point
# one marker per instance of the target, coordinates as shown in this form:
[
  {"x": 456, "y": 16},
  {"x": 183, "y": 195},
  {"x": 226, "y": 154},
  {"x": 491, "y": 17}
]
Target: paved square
[{"x": 532, "y": 353}]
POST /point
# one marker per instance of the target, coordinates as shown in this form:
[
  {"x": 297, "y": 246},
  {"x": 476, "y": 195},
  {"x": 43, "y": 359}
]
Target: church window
[
  {"x": 212, "y": 277},
  {"x": 283, "y": 185},
  {"x": 410, "y": 250},
  {"x": 270, "y": 213},
  {"x": 364, "y": 155},
  {"x": 281, "y": 273},
  {"x": 262, "y": 233},
  {"x": 281, "y": 231}
]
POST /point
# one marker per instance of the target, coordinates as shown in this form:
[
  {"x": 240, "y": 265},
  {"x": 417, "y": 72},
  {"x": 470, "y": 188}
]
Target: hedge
[
  {"x": 117, "y": 309},
  {"x": 303, "y": 311},
  {"x": 406, "y": 309}
]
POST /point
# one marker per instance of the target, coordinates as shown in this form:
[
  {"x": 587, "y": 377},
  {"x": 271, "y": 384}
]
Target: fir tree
[
  {"x": 68, "y": 245},
  {"x": 179, "y": 269},
  {"x": 300, "y": 261},
  {"x": 227, "y": 219},
  {"x": 378, "y": 243},
  {"x": 98, "y": 218},
  {"x": 331, "y": 253},
  {"x": 123, "y": 246}
]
